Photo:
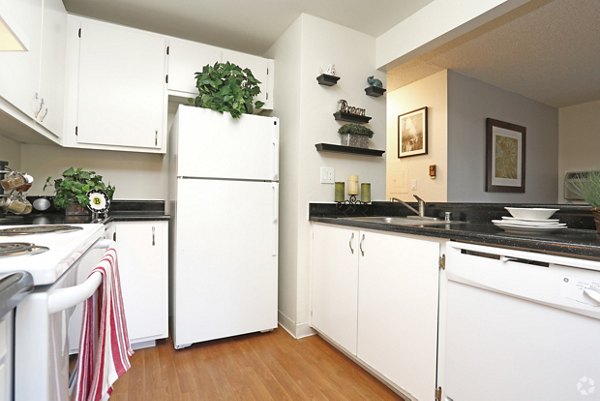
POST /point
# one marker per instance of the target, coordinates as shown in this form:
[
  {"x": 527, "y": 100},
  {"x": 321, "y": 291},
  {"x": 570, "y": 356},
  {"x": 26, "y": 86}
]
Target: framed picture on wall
[
  {"x": 412, "y": 133},
  {"x": 505, "y": 156}
]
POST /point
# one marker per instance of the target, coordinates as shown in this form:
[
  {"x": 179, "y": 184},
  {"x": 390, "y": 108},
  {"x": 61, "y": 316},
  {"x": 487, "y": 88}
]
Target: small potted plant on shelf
[
  {"x": 588, "y": 187},
  {"x": 227, "y": 87},
  {"x": 355, "y": 135},
  {"x": 73, "y": 187}
]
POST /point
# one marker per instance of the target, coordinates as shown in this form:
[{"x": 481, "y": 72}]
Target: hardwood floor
[{"x": 256, "y": 367}]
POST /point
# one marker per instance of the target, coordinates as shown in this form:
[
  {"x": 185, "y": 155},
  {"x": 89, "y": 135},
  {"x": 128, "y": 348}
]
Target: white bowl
[{"x": 531, "y": 213}]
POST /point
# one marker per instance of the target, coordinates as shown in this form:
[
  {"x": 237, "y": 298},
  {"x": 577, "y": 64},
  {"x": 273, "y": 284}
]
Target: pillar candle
[
  {"x": 365, "y": 192},
  {"x": 340, "y": 191},
  {"x": 353, "y": 185}
]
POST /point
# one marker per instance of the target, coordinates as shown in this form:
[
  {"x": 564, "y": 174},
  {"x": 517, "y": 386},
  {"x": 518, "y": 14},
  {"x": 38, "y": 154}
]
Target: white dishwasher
[{"x": 520, "y": 326}]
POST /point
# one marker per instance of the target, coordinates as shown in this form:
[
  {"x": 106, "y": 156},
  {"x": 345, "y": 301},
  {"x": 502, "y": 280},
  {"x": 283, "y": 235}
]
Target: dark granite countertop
[
  {"x": 120, "y": 210},
  {"x": 579, "y": 240}
]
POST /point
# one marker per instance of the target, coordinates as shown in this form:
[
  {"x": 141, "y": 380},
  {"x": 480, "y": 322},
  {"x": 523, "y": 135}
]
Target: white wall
[
  {"x": 578, "y": 139},
  {"x": 318, "y": 43},
  {"x": 287, "y": 51},
  {"x": 10, "y": 151},
  {"x": 135, "y": 175},
  {"x": 430, "y": 92},
  {"x": 470, "y": 102}
]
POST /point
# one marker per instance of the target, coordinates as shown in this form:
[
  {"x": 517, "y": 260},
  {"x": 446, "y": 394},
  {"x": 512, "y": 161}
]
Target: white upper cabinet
[
  {"x": 117, "y": 88},
  {"x": 19, "y": 71},
  {"x": 185, "y": 59},
  {"x": 33, "y": 81},
  {"x": 52, "y": 71},
  {"x": 262, "y": 69}
]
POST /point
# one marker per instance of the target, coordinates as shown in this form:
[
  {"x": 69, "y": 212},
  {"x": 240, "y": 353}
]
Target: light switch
[
  {"x": 413, "y": 184},
  {"x": 327, "y": 175}
]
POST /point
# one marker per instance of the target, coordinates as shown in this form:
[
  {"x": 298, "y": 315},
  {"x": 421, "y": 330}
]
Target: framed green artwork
[{"x": 505, "y": 156}]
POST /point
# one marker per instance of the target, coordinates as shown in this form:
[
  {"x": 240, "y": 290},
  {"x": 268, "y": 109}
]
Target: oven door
[{"x": 42, "y": 327}]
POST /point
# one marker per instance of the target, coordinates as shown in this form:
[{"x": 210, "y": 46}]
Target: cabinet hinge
[
  {"x": 267, "y": 96},
  {"x": 438, "y": 394},
  {"x": 156, "y": 138},
  {"x": 442, "y": 263},
  {"x": 168, "y": 47},
  {"x": 76, "y": 130},
  {"x": 79, "y": 32}
]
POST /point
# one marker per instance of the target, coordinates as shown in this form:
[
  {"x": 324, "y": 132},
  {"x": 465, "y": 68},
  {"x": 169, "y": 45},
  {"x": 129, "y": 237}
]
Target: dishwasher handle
[{"x": 65, "y": 298}]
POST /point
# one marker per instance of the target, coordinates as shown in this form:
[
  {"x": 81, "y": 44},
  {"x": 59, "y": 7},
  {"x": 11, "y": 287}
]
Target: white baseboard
[{"x": 296, "y": 330}]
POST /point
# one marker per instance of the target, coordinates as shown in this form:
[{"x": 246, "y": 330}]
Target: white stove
[
  {"x": 64, "y": 248},
  {"x": 42, "y": 319}
]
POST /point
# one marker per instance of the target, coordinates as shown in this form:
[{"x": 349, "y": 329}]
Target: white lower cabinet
[
  {"x": 376, "y": 295},
  {"x": 142, "y": 249},
  {"x": 334, "y": 284}
]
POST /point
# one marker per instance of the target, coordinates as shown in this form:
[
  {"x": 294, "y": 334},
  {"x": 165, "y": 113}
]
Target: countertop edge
[{"x": 476, "y": 234}]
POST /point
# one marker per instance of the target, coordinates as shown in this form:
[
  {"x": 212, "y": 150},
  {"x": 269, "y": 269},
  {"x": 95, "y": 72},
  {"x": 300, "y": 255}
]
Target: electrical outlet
[
  {"x": 327, "y": 175},
  {"x": 413, "y": 184}
]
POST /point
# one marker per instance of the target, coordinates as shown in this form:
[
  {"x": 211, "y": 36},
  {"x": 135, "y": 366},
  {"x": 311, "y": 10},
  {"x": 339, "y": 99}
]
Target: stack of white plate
[{"x": 529, "y": 220}]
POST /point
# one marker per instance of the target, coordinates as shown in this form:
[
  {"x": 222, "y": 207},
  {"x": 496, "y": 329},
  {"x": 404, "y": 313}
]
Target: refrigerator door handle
[
  {"x": 275, "y": 204},
  {"x": 276, "y": 155}
]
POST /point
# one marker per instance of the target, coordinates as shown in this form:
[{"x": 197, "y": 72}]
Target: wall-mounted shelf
[
  {"x": 330, "y": 147},
  {"x": 352, "y": 118},
  {"x": 327, "y": 80},
  {"x": 374, "y": 91}
]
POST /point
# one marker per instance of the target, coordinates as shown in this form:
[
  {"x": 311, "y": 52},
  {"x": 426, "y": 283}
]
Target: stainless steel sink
[{"x": 400, "y": 221}]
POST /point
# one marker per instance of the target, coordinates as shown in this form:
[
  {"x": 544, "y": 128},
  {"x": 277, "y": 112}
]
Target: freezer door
[
  {"x": 225, "y": 273},
  {"x": 214, "y": 145}
]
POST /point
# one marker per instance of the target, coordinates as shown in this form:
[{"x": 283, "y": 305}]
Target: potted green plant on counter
[
  {"x": 355, "y": 135},
  {"x": 588, "y": 187},
  {"x": 72, "y": 188},
  {"x": 227, "y": 87}
]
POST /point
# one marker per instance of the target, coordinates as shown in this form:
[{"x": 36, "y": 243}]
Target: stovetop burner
[
  {"x": 38, "y": 229},
  {"x": 20, "y": 248}
]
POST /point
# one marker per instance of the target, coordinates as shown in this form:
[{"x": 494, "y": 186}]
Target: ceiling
[
  {"x": 547, "y": 50},
  {"x": 248, "y": 26}
]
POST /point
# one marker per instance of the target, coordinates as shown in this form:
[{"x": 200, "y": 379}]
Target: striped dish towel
[{"x": 104, "y": 347}]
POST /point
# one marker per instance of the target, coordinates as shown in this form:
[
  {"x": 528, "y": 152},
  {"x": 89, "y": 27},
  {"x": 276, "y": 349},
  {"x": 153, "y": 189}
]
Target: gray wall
[{"x": 470, "y": 102}]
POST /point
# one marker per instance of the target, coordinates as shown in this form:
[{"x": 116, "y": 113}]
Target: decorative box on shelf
[
  {"x": 327, "y": 80},
  {"x": 374, "y": 91}
]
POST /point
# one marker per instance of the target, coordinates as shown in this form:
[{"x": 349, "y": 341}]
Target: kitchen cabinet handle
[
  {"x": 115, "y": 236},
  {"x": 153, "y": 236},
  {"x": 45, "y": 114},
  {"x": 39, "y": 104},
  {"x": 350, "y": 243},
  {"x": 593, "y": 294},
  {"x": 362, "y": 252},
  {"x": 156, "y": 138}
]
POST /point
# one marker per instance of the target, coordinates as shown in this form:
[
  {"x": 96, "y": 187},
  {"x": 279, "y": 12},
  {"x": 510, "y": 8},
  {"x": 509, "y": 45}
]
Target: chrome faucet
[{"x": 420, "y": 212}]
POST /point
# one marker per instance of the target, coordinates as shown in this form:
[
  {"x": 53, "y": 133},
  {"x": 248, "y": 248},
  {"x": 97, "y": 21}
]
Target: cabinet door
[
  {"x": 185, "y": 59},
  {"x": 261, "y": 68},
  {"x": 142, "y": 249},
  {"x": 397, "y": 310},
  {"x": 121, "y": 86},
  {"x": 334, "y": 284},
  {"x": 51, "y": 89},
  {"x": 19, "y": 71}
]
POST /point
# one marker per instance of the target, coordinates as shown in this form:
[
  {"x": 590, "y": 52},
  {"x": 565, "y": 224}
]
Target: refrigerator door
[
  {"x": 214, "y": 145},
  {"x": 225, "y": 272}
]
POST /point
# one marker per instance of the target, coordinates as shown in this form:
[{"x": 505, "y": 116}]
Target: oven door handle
[{"x": 65, "y": 298}]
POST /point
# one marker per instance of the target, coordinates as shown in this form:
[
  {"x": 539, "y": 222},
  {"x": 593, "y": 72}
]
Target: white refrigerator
[{"x": 224, "y": 195}]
